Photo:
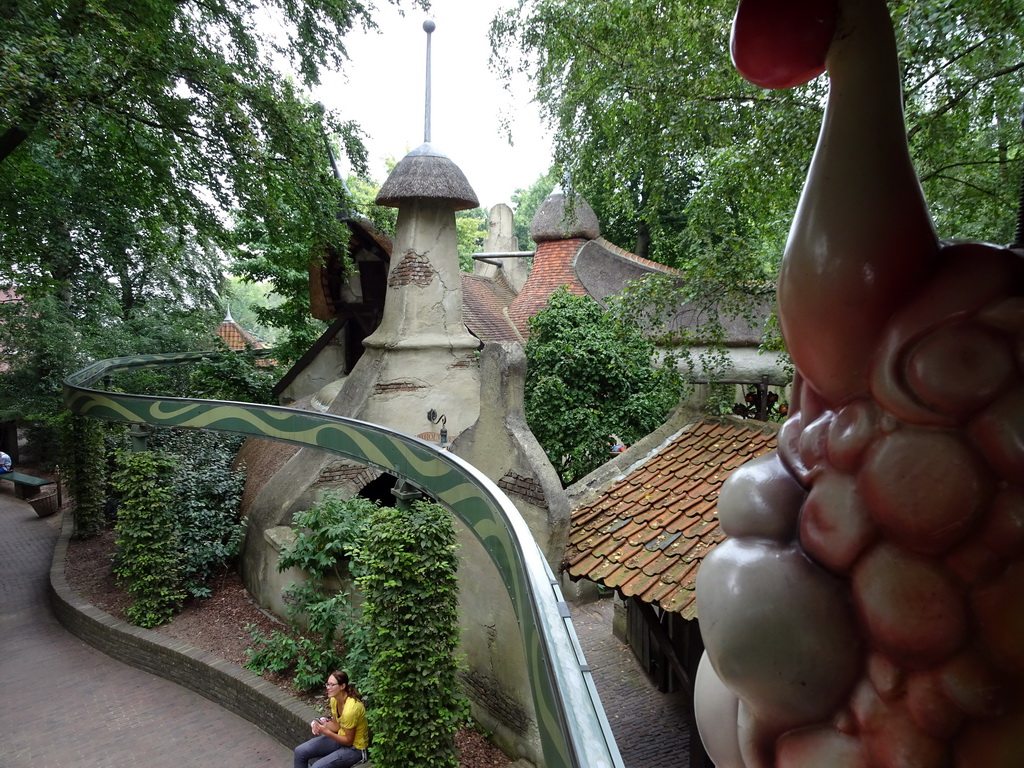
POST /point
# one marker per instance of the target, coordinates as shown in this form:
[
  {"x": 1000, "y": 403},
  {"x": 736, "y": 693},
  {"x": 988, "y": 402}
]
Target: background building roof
[{"x": 235, "y": 336}]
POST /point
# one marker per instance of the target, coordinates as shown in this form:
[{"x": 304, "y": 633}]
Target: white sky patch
[{"x": 383, "y": 89}]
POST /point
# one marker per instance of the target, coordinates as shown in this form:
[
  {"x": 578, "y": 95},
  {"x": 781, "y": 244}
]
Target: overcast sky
[{"x": 384, "y": 85}]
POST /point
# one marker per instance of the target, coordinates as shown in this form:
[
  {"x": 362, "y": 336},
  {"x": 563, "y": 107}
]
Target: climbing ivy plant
[
  {"x": 148, "y": 564},
  {"x": 400, "y": 648},
  {"x": 410, "y": 588},
  {"x": 85, "y": 467}
]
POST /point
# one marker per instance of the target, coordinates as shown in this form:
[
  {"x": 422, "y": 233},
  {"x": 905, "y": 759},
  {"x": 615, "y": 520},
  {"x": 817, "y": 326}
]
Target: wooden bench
[{"x": 25, "y": 486}]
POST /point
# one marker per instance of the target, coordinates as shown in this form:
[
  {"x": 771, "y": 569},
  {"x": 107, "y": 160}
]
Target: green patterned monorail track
[{"x": 573, "y": 728}]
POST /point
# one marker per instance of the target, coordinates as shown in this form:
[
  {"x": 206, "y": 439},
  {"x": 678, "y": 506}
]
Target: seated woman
[{"x": 341, "y": 741}]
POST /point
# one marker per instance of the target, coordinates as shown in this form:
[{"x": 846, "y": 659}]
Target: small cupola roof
[
  {"x": 553, "y": 220},
  {"x": 428, "y": 173}
]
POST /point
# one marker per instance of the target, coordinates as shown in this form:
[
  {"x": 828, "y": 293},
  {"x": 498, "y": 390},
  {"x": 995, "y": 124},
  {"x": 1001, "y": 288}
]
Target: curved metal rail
[{"x": 574, "y": 730}]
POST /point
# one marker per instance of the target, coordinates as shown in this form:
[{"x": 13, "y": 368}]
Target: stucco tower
[{"x": 421, "y": 358}]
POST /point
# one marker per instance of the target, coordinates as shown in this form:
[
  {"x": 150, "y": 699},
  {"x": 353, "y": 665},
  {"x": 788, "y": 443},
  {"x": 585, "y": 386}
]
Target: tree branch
[
  {"x": 179, "y": 129},
  {"x": 966, "y": 164},
  {"x": 964, "y": 182},
  {"x": 949, "y": 62},
  {"x": 965, "y": 92},
  {"x": 11, "y": 140}
]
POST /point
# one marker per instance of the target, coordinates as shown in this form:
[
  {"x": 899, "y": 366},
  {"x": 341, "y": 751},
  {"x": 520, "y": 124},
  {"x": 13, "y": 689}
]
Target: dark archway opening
[{"x": 379, "y": 490}]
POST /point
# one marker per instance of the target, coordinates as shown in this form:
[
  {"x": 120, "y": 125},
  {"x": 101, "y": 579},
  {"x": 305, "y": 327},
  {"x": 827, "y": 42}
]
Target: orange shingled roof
[
  {"x": 552, "y": 268},
  {"x": 236, "y": 337},
  {"x": 646, "y": 533}
]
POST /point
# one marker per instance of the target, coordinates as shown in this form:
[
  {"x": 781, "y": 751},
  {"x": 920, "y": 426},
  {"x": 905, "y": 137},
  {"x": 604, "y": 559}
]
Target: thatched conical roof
[{"x": 427, "y": 173}]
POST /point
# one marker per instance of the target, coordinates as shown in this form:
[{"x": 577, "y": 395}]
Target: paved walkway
[
  {"x": 650, "y": 727},
  {"x": 66, "y": 704}
]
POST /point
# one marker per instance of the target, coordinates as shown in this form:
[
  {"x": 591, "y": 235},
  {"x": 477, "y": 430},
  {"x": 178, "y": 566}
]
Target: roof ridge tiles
[{"x": 610, "y": 246}]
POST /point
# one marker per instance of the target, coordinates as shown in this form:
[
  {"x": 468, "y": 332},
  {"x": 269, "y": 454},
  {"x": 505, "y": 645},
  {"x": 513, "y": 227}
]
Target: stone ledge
[{"x": 232, "y": 687}]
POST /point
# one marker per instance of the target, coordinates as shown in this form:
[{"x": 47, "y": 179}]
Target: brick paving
[
  {"x": 66, "y": 704},
  {"x": 650, "y": 727}
]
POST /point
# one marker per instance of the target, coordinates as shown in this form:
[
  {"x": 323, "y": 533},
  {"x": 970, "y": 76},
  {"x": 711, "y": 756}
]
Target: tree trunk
[{"x": 643, "y": 240}]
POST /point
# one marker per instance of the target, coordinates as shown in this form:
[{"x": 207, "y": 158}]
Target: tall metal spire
[
  {"x": 426, "y": 173},
  {"x": 428, "y": 27}
]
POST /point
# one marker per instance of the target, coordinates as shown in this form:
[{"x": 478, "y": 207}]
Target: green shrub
[
  {"x": 327, "y": 536},
  {"x": 589, "y": 377},
  {"x": 207, "y": 497},
  {"x": 148, "y": 563},
  {"x": 202, "y": 504},
  {"x": 410, "y": 590},
  {"x": 240, "y": 376},
  {"x": 208, "y": 493}
]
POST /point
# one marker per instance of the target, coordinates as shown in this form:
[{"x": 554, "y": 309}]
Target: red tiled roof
[
  {"x": 483, "y": 308},
  {"x": 647, "y": 532},
  {"x": 236, "y": 337},
  {"x": 552, "y": 268}
]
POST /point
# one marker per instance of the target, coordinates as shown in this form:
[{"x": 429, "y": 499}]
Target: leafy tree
[
  {"x": 589, "y": 377},
  {"x": 962, "y": 70},
  {"x": 686, "y": 163},
  {"x": 46, "y": 340},
  {"x": 40, "y": 347},
  {"x": 284, "y": 264},
  {"x": 612, "y": 80},
  {"x": 470, "y": 231},
  {"x": 43, "y": 342},
  {"x": 363, "y": 192},
  {"x": 525, "y": 203},
  {"x": 129, "y": 131}
]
